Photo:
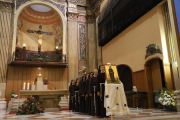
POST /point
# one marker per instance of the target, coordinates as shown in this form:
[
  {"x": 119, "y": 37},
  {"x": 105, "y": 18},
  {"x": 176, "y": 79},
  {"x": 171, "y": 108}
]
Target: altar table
[{"x": 49, "y": 99}]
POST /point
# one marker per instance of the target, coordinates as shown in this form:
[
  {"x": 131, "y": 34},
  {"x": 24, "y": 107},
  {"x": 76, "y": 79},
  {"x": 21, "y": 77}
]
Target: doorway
[
  {"x": 125, "y": 75},
  {"x": 155, "y": 78}
]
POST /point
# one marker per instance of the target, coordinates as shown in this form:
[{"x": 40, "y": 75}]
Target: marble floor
[{"x": 135, "y": 114}]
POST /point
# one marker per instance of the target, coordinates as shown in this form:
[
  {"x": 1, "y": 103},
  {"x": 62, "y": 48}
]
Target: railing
[{"x": 40, "y": 57}]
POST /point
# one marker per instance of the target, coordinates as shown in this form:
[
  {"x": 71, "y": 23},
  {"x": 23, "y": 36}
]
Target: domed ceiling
[{"x": 40, "y": 14}]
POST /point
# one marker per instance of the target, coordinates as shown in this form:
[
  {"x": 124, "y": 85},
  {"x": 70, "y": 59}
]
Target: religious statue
[
  {"x": 111, "y": 74},
  {"x": 83, "y": 70},
  {"x": 39, "y": 33},
  {"x": 58, "y": 35}
]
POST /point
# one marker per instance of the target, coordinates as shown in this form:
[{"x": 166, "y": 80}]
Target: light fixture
[
  {"x": 108, "y": 63},
  {"x": 57, "y": 50},
  {"x": 24, "y": 46}
]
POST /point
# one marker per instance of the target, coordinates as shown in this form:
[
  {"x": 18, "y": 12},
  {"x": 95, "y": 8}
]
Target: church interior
[{"x": 48, "y": 48}]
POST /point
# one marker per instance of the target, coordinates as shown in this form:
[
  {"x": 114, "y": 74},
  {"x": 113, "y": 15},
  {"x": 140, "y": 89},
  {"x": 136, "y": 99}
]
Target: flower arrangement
[
  {"x": 30, "y": 106},
  {"x": 167, "y": 99},
  {"x": 13, "y": 95},
  {"x": 45, "y": 81}
]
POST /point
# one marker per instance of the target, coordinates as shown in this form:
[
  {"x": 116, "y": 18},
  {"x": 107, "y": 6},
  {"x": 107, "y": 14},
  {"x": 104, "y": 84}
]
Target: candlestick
[
  {"x": 28, "y": 86},
  {"x": 24, "y": 86}
]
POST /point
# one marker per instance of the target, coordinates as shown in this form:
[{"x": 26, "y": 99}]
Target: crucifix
[{"x": 39, "y": 33}]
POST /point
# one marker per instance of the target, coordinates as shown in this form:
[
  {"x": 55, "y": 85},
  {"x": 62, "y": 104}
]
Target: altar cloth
[{"x": 115, "y": 100}]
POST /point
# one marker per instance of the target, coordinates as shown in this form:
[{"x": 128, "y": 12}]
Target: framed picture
[{"x": 112, "y": 75}]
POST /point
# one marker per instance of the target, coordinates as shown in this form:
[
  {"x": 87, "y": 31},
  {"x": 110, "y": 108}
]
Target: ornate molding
[
  {"x": 61, "y": 7},
  {"x": 152, "y": 49},
  {"x": 73, "y": 16},
  {"x": 83, "y": 2},
  {"x": 5, "y": 7}
]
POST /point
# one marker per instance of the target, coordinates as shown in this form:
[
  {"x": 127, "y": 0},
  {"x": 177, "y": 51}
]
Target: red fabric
[
  {"x": 12, "y": 112},
  {"x": 65, "y": 108}
]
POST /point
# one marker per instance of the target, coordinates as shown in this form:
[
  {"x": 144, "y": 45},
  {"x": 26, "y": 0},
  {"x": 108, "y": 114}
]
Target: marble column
[
  {"x": 72, "y": 46},
  {"x": 92, "y": 43},
  {"x": 6, "y": 9},
  {"x": 99, "y": 48}
]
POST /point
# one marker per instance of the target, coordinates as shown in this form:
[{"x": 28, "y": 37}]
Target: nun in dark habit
[
  {"x": 100, "y": 90},
  {"x": 93, "y": 92},
  {"x": 77, "y": 95},
  {"x": 86, "y": 94},
  {"x": 72, "y": 90},
  {"x": 82, "y": 94},
  {"x": 89, "y": 92}
]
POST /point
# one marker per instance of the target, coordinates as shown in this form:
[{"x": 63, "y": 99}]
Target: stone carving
[
  {"x": 79, "y": 1},
  {"x": 61, "y": 7},
  {"x": 82, "y": 70},
  {"x": 58, "y": 35},
  {"x": 19, "y": 33},
  {"x": 152, "y": 49},
  {"x": 20, "y": 2},
  {"x": 82, "y": 18},
  {"x": 72, "y": 16},
  {"x": 82, "y": 41},
  {"x": 6, "y": 7}
]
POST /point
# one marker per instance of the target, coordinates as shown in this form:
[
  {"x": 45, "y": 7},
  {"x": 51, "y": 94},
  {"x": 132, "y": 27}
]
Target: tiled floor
[{"x": 140, "y": 114}]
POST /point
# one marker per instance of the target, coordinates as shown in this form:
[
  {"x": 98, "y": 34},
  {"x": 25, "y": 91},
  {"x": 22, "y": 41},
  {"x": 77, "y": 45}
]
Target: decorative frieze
[
  {"x": 84, "y": 2},
  {"x": 5, "y": 7},
  {"x": 72, "y": 16}
]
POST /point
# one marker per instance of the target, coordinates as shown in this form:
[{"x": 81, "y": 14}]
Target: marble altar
[{"x": 48, "y": 98}]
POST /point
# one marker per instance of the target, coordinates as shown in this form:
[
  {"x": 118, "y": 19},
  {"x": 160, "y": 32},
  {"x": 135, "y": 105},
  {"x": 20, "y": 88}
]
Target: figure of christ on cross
[{"x": 39, "y": 33}]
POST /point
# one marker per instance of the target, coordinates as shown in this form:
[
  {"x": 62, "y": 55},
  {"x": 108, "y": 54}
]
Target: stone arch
[{"x": 19, "y": 10}]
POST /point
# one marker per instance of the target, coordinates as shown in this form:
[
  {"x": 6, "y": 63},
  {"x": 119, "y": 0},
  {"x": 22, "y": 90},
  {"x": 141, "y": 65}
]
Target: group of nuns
[{"x": 86, "y": 93}]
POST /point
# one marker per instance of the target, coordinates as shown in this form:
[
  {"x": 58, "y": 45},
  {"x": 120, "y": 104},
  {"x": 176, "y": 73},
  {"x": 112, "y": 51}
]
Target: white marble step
[
  {"x": 63, "y": 102},
  {"x": 21, "y": 100}
]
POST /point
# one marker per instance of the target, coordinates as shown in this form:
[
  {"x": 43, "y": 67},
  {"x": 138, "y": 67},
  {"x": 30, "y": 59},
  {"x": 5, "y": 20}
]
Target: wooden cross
[{"x": 39, "y": 33}]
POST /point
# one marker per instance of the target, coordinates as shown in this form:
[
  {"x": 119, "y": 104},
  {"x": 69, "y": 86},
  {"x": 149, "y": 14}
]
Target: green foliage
[
  {"x": 30, "y": 106},
  {"x": 12, "y": 94}
]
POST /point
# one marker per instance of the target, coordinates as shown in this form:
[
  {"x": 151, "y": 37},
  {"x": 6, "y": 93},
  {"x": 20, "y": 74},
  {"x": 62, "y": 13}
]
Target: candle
[
  {"x": 28, "y": 86},
  {"x": 24, "y": 86},
  {"x": 33, "y": 83}
]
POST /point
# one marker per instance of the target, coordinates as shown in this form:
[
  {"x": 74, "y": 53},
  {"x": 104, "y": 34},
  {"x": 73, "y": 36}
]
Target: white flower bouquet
[{"x": 167, "y": 99}]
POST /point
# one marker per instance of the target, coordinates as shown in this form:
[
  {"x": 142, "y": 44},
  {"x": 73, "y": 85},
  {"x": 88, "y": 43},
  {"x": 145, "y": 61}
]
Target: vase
[{"x": 169, "y": 109}]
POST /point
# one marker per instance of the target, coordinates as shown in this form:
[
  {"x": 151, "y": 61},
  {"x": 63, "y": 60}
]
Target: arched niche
[{"x": 19, "y": 10}]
